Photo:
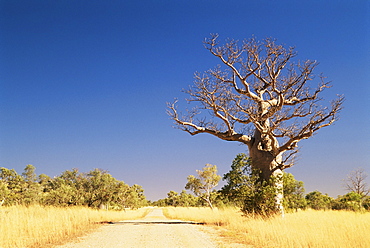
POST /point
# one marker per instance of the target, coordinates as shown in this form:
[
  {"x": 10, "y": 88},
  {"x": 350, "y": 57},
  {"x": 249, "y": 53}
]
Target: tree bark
[
  {"x": 268, "y": 164},
  {"x": 209, "y": 202}
]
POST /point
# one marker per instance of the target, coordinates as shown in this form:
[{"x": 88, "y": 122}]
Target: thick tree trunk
[{"x": 263, "y": 159}]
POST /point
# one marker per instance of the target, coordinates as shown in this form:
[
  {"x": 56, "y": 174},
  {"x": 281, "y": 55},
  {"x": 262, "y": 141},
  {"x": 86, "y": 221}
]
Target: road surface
[{"x": 155, "y": 230}]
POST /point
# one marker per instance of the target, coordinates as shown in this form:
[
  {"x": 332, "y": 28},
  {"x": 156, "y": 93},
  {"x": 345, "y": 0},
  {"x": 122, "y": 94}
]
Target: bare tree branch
[
  {"x": 356, "y": 182},
  {"x": 258, "y": 86}
]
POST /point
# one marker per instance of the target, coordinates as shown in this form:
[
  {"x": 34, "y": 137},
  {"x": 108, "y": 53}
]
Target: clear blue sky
[{"x": 84, "y": 84}]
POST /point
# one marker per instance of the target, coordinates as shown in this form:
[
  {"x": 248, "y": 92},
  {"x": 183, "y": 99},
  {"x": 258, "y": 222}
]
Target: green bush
[
  {"x": 318, "y": 201},
  {"x": 350, "y": 201},
  {"x": 244, "y": 188}
]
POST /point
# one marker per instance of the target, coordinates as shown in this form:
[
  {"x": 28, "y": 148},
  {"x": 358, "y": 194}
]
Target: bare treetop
[
  {"x": 259, "y": 97},
  {"x": 356, "y": 182}
]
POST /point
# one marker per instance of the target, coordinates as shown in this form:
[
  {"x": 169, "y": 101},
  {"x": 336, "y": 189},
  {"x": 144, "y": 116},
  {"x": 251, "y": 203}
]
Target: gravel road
[{"x": 155, "y": 230}]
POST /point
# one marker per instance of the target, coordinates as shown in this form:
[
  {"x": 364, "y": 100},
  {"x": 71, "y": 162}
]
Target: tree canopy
[
  {"x": 258, "y": 96},
  {"x": 203, "y": 185}
]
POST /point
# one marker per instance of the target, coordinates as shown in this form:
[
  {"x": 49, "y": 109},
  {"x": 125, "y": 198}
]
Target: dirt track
[{"x": 155, "y": 230}]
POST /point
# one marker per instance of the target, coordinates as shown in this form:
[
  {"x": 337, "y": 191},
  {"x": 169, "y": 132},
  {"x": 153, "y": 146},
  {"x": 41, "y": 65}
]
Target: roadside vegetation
[
  {"x": 310, "y": 228},
  {"x": 244, "y": 190},
  {"x": 246, "y": 211},
  {"x": 45, "y": 226},
  {"x": 37, "y": 210},
  {"x": 95, "y": 189}
]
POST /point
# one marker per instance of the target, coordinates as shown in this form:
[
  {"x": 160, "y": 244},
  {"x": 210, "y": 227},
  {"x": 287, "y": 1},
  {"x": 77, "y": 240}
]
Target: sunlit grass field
[
  {"x": 297, "y": 230},
  {"x": 37, "y": 226}
]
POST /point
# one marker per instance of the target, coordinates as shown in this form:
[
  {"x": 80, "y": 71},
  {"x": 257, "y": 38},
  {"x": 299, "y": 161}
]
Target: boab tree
[{"x": 260, "y": 97}]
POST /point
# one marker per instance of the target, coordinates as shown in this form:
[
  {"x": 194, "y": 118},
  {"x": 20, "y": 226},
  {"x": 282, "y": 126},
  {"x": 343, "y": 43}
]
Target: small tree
[
  {"x": 318, "y": 201},
  {"x": 293, "y": 193},
  {"x": 356, "y": 182},
  {"x": 4, "y": 192},
  {"x": 236, "y": 180},
  {"x": 99, "y": 188},
  {"x": 187, "y": 200},
  {"x": 31, "y": 190},
  {"x": 121, "y": 195},
  {"x": 61, "y": 195},
  {"x": 350, "y": 201},
  {"x": 70, "y": 186},
  {"x": 14, "y": 183},
  {"x": 172, "y": 198},
  {"x": 203, "y": 185},
  {"x": 136, "y": 197}
]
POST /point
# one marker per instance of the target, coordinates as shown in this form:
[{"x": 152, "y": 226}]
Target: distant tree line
[
  {"x": 96, "y": 189},
  {"x": 244, "y": 189}
]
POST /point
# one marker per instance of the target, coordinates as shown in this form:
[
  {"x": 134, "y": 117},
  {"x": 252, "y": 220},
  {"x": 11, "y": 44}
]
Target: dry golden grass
[
  {"x": 37, "y": 226},
  {"x": 302, "y": 229}
]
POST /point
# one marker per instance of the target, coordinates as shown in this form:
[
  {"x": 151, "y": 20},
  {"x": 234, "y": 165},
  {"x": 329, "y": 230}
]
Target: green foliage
[
  {"x": 180, "y": 200},
  {"x": 244, "y": 188},
  {"x": 293, "y": 193},
  {"x": 350, "y": 201},
  {"x": 4, "y": 192},
  {"x": 202, "y": 186},
  {"x": 318, "y": 201},
  {"x": 65, "y": 190},
  {"x": 357, "y": 198},
  {"x": 237, "y": 181},
  {"x": 61, "y": 196},
  {"x": 14, "y": 183},
  {"x": 366, "y": 202},
  {"x": 356, "y": 182},
  {"x": 99, "y": 187},
  {"x": 259, "y": 196},
  {"x": 135, "y": 197},
  {"x": 184, "y": 199},
  {"x": 95, "y": 189},
  {"x": 29, "y": 174},
  {"x": 172, "y": 199}
]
